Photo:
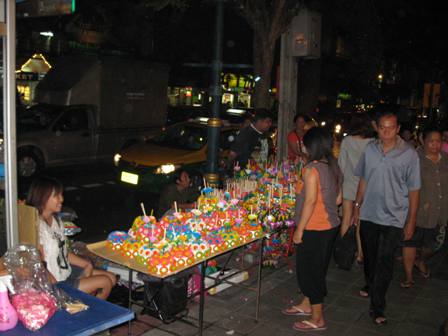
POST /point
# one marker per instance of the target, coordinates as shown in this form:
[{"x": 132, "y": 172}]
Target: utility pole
[{"x": 214, "y": 122}]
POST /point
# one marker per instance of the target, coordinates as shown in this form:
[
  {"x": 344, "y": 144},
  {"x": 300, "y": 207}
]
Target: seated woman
[{"x": 45, "y": 194}]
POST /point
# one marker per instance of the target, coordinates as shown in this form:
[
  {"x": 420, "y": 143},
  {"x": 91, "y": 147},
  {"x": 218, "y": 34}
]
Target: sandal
[
  {"x": 380, "y": 320},
  {"x": 426, "y": 274},
  {"x": 295, "y": 311},
  {"x": 406, "y": 284},
  {"x": 308, "y": 326},
  {"x": 364, "y": 292}
]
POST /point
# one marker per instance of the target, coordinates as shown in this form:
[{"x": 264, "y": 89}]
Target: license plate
[{"x": 129, "y": 178}]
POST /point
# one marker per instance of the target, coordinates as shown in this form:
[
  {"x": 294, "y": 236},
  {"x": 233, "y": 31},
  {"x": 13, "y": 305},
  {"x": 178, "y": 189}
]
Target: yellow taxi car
[{"x": 151, "y": 164}]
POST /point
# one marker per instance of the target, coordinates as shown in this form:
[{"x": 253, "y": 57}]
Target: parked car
[
  {"x": 52, "y": 135},
  {"x": 150, "y": 164}
]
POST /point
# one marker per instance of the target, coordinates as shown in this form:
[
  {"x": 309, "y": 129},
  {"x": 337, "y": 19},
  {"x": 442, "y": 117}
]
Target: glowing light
[{"x": 47, "y": 33}]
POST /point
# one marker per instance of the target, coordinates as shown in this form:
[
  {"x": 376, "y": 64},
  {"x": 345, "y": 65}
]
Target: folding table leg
[
  {"x": 201, "y": 297},
  {"x": 130, "y": 301},
  {"x": 260, "y": 267}
]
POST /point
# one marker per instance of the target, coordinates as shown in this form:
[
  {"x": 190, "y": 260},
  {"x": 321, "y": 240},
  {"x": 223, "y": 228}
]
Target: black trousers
[
  {"x": 312, "y": 259},
  {"x": 379, "y": 243}
]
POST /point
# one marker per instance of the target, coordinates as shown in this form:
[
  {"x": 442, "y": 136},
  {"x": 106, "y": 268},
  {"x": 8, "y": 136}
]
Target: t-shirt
[
  {"x": 171, "y": 194},
  {"x": 52, "y": 240},
  {"x": 293, "y": 137},
  {"x": 245, "y": 143},
  {"x": 434, "y": 192},
  {"x": 389, "y": 178},
  {"x": 351, "y": 150}
]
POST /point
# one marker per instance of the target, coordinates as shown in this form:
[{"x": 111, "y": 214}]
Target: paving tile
[
  {"x": 410, "y": 329},
  {"x": 238, "y": 323},
  {"x": 212, "y": 313},
  {"x": 431, "y": 318},
  {"x": 265, "y": 329},
  {"x": 356, "y": 331},
  {"x": 350, "y": 302},
  {"x": 341, "y": 315},
  {"x": 365, "y": 322}
]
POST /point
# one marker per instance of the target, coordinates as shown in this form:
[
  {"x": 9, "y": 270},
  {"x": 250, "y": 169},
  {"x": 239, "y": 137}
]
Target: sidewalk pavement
[{"x": 418, "y": 311}]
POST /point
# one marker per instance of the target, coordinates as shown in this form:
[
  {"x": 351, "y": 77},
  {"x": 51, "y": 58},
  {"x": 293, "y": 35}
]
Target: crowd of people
[{"x": 389, "y": 186}]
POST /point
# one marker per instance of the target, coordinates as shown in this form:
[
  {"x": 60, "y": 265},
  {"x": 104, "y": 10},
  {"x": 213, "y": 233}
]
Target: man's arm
[
  {"x": 359, "y": 199},
  {"x": 409, "y": 228}
]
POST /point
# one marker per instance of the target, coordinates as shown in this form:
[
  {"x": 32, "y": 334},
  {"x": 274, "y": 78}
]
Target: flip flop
[
  {"x": 294, "y": 311},
  {"x": 426, "y": 274},
  {"x": 406, "y": 284},
  {"x": 307, "y": 326},
  {"x": 379, "y": 320},
  {"x": 364, "y": 292}
]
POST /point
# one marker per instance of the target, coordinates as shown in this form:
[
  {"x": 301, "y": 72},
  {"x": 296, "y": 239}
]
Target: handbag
[{"x": 345, "y": 249}]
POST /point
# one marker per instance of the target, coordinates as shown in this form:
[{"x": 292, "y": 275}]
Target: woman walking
[
  {"x": 433, "y": 212},
  {"x": 352, "y": 146}
]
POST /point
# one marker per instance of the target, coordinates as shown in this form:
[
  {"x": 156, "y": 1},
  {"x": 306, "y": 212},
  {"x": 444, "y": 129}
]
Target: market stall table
[
  {"x": 101, "y": 315},
  {"x": 115, "y": 256}
]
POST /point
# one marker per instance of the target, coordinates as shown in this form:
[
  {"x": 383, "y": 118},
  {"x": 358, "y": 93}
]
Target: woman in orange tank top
[{"x": 317, "y": 226}]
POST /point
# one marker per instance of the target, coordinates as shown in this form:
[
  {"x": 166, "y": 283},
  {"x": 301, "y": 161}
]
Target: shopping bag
[{"x": 345, "y": 249}]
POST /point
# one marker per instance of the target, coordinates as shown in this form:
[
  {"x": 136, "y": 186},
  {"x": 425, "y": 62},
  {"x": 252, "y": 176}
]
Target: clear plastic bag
[{"x": 35, "y": 299}]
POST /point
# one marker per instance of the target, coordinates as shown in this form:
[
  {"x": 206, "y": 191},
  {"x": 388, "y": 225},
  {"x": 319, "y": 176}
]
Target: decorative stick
[
  {"x": 143, "y": 208},
  {"x": 175, "y": 206}
]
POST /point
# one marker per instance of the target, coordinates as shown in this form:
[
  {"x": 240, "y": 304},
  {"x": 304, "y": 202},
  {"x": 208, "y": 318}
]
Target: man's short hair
[
  {"x": 178, "y": 173},
  {"x": 385, "y": 111},
  {"x": 261, "y": 114}
]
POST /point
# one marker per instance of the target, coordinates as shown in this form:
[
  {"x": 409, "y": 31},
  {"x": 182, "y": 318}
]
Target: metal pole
[
  {"x": 9, "y": 127},
  {"x": 214, "y": 123}
]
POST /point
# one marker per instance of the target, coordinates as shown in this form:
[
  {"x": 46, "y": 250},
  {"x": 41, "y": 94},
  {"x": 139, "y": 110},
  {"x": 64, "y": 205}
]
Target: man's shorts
[{"x": 422, "y": 237}]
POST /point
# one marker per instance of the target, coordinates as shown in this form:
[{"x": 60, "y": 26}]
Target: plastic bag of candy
[{"x": 34, "y": 299}]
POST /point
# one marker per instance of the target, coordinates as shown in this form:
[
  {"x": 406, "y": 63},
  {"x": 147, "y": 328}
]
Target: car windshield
[
  {"x": 184, "y": 136},
  {"x": 36, "y": 118}
]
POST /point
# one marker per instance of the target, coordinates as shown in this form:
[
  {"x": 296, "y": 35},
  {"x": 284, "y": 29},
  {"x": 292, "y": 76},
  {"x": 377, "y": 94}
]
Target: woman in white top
[
  {"x": 46, "y": 195},
  {"x": 352, "y": 146}
]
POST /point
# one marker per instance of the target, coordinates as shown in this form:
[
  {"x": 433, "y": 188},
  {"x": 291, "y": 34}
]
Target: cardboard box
[{"x": 28, "y": 218}]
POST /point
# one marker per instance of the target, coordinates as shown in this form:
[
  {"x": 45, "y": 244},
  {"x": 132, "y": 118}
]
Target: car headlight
[
  {"x": 166, "y": 168},
  {"x": 117, "y": 158}
]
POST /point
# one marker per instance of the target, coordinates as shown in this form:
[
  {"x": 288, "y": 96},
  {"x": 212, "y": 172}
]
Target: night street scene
[{"x": 223, "y": 167}]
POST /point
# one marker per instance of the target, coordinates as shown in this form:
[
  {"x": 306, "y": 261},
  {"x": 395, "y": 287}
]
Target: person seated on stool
[
  {"x": 180, "y": 192},
  {"x": 45, "y": 194}
]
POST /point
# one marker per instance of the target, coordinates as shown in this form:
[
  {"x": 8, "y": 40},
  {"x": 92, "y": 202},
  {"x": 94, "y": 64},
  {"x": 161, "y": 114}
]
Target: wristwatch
[{"x": 357, "y": 205}]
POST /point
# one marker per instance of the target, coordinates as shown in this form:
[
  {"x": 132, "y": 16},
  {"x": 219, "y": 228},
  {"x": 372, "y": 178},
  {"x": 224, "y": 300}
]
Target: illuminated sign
[{"x": 36, "y": 8}]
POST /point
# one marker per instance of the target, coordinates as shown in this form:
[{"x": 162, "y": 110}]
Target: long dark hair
[
  {"x": 319, "y": 146},
  {"x": 40, "y": 191}
]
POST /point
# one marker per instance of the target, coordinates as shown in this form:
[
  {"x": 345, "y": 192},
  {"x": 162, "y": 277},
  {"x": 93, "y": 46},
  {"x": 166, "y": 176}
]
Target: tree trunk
[{"x": 263, "y": 59}]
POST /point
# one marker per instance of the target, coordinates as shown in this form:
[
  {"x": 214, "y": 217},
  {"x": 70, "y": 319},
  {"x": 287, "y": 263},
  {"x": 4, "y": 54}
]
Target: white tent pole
[{"x": 9, "y": 126}]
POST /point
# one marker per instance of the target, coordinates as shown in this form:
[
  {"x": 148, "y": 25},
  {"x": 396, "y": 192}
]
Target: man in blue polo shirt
[{"x": 386, "y": 203}]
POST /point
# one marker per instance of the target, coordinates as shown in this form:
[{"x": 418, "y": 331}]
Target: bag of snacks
[{"x": 34, "y": 298}]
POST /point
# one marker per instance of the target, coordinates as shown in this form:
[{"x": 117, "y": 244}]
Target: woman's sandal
[
  {"x": 295, "y": 311},
  {"x": 308, "y": 326},
  {"x": 406, "y": 284}
]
